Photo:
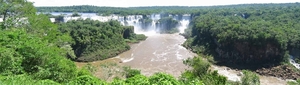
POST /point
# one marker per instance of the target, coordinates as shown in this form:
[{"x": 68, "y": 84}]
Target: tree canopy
[
  {"x": 250, "y": 34},
  {"x": 95, "y": 40}
]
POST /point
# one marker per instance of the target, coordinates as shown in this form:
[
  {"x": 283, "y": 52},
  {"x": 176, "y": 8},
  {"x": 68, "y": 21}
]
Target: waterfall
[
  {"x": 183, "y": 25},
  {"x": 140, "y": 26},
  {"x": 292, "y": 61},
  {"x": 134, "y": 20}
]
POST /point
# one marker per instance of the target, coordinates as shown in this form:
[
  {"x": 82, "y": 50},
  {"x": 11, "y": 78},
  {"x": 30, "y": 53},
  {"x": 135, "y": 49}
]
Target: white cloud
[{"x": 130, "y": 3}]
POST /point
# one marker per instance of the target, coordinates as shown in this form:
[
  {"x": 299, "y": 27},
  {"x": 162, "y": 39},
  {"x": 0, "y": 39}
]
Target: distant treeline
[{"x": 150, "y": 9}]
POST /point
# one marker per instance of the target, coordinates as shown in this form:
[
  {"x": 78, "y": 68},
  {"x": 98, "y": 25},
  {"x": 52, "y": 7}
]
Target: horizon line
[{"x": 178, "y": 5}]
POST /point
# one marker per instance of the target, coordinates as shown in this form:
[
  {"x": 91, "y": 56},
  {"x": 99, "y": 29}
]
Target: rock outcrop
[{"x": 282, "y": 71}]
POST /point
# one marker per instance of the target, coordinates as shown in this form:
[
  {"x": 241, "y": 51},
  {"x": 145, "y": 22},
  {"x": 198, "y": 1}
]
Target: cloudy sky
[{"x": 131, "y": 3}]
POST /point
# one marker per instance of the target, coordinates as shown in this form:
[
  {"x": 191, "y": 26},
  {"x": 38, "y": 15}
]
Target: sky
[{"x": 134, "y": 3}]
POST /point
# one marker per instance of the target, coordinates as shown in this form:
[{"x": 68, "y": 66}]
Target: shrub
[
  {"x": 87, "y": 80},
  {"x": 250, "y": 78},
  {"x": 163, "y": 79},
  {"x": 128, "y": 72},
  {"x": 138, "y": 80}
]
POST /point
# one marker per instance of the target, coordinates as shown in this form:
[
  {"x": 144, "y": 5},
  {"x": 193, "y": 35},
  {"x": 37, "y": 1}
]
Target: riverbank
[
  {"x": 164, "y": 53},
  {"x": 285, "y": 72},
  {"x": 235, "y": 75}
]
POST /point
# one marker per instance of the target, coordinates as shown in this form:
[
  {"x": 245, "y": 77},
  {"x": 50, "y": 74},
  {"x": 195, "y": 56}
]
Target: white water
[
  {"x": 183, "y": 25},
  {"x": 131, "y": 20},
  {"x": 127, "y": 60},
  {"x": 292, "y": 61},
  {"x": 1, "y": 19},
  {"x": 231, "y": 75}
]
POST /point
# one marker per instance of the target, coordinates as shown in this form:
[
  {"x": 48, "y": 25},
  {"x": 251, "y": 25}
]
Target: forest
[
  {"x": 268, "y": 33},
  {"x": 95, "y": 40},
  {"x": 35, "y": 51},
  {"x": 250, "y": 37},
  {"x": 147, "y": 10}
]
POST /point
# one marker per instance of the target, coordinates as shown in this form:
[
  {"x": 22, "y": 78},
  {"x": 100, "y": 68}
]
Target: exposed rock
[
  {"x": 282, "y": 71},
  {"x": 227, "y": 68},
  {"x": 249, "y": 53}
]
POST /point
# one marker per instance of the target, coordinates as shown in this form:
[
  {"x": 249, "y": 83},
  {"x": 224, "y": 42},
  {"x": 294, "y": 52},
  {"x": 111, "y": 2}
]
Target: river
[
  {"x": 164, "y": 53},
  {"x": 158, "y": 53}
]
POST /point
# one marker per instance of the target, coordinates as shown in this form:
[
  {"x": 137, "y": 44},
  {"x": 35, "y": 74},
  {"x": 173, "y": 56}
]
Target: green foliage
[
  {"x": 138, "y": 80},
  {"x": 24, "y": 80},
  {"x": 233, "y": 83},
  {"x": 16, "y": 80},
  {"x": 86, "y": 70},
  {"x": 187, "y": 33},
  {"x": 246, "y": 34},
  {"x": 292, "y": 83},
  {"x": 47, "y": 82},
  {"x": 200, "y": 71},
  {"x": 41, "y": 26},
  {"x": 193, "y": 81},
  {"x": 297, "y": 60},
  {"x": 95, "y": 40},
  {"x": 87, "y": 80},
  {"x": 168, "y": 25},
  {"x": 129, "y": 72},
  {"x": 14, "y": 13},
  {"x": 298, "y": 81},
  {"x": 250, "y": 78},
  {"x": 118, "y": 82},
  {"x": 30, "y": 45},
  {"x": 70, "y": 52},
  {"x": 200, "y": 67},
  {"x": 162, "y": 79},
  {"x": 214, "y": 78},
  {"x": 128, "y": 32},
  {"x": 59, "y": 18},
  {"x": 9, "y": 63},
  {"x": 30, "y": 54},
  {"x": 140, "y": 37},
  {"x": 130, "y": 36},
  {"x": 75, "y": 14}
]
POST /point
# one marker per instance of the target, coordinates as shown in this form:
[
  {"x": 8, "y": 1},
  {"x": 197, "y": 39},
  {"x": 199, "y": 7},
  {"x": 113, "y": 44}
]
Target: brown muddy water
[{"x": 164, "y": 53}]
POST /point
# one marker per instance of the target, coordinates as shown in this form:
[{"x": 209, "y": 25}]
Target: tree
[
  {"x": 200, "y": 71},
  {"x": 15, "y": 12},
  {"x": 31, "y": 44},
  {"x": 162, "y": 79},
  {"x": 250, "y": 78},
  {"x": 75, "y": 14},
  {"x": 25, "y": 53},
  {"x": 95, "y": 40}
]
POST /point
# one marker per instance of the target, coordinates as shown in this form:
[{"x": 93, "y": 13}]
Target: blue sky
[{"x": 131, "y": 3}]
